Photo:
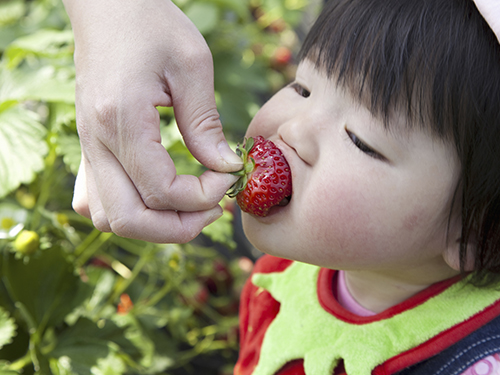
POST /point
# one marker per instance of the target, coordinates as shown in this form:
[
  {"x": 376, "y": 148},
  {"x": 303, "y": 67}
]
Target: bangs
[
  {"x": 419, "y": 58},
  {"x": 437, "y": 63}
]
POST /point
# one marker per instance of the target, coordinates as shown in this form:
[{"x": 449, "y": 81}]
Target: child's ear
[
  {"x": 451, "y": 256},
  {"x": 451, "y": 253}
]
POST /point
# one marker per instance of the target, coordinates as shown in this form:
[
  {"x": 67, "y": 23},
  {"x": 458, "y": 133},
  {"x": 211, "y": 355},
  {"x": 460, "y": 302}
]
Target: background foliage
[{"x": 74, "y": 300}]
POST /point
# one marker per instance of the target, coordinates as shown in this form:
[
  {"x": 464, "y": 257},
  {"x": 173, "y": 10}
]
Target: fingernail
[
  {"x": 228, "y": 155},
  {"x": 217, "y": 214}
]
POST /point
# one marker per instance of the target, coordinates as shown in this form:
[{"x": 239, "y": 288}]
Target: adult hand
[
  {"x": 130, "y": 57},
  {"x": 490, "y": 10}
]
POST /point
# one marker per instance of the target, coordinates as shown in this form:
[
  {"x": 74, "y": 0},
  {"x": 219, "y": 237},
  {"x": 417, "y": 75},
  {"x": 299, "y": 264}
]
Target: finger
[
  {"x": 129, "y": 217},
  {"x": 192, "y": 91},
  {"x": 80, "y": 199},
  {"x": 86, "y": 200},
  {"x": 153, "y": 172},
  {"x": 190, "y": 193},
  {"x": 96, "y": 208}
]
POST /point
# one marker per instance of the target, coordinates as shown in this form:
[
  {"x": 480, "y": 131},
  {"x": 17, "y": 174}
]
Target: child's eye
[
  {"x": 300, "y": 90},
  {"x": 363, "y": 147}
]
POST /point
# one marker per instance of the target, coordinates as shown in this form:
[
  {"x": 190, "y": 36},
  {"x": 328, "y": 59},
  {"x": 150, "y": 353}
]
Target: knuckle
[
  {"x": 155, "y": 201},
  {"x": 120, "y": 226},
  {"x": 196, "y": 55},
  {"x": 105, "y": 111},
  {"x": 209, "y": 121},
  {"x": 207, "y": 125},
  {"x": 101, "y": 222},
  {"x": 98, "y": 122},
  {"x": 160, "y": 198}
]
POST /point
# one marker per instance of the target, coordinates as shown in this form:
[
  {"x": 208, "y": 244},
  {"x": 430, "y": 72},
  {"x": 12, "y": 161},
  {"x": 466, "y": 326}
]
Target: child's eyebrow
[{"x": 294, "y": 84}]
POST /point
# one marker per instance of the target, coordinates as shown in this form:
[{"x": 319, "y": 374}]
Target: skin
[
  {"x": 377, "y": 209},
  {"x": 130, "y": 57},
  {"x": 127, "y": 183},
  {"x": 490, "y": 10}
]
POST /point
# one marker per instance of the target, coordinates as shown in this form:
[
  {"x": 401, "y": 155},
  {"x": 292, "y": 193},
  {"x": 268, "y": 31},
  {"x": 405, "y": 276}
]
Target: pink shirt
[{"x": 487, "y": 366}]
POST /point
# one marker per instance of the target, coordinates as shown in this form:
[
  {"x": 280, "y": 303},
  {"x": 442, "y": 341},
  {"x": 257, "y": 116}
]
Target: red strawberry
[
  {"x": 125, "y": 304},
  {"x": 266, "y": 179},
  {"x": 281, "y": 58}
]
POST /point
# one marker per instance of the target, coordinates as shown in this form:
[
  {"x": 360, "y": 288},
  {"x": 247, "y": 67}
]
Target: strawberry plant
[{"x": 73, "y": 300}]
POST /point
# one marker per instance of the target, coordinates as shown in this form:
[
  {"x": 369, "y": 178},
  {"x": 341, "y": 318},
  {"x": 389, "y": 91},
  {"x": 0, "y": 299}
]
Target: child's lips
[
  {"x": 285, "y": 201},
  {"x": 289, "y": 154},
  {"x": 274, "y": 211}
]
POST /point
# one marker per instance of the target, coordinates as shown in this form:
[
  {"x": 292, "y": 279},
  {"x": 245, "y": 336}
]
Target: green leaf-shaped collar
[{"x": 304, "y": 330}]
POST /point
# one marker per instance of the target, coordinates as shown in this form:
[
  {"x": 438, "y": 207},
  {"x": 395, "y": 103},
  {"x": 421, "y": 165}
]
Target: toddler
[{"x": 386, "y": 259}]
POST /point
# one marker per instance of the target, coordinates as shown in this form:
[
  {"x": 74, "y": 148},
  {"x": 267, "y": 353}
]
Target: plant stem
[
  {"x": 143, "y": 260},
  {"x": 45, "y": 189},
  {"x": 87, "y": 252},
  {"x": 157, "y": 296},
  {"x": 86, "y": 242},
  {"x": 21, "y": 362}
]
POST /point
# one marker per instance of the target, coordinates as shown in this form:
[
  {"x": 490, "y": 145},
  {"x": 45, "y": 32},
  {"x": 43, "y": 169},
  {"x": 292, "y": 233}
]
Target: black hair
[{"x": 439, "y": 62}]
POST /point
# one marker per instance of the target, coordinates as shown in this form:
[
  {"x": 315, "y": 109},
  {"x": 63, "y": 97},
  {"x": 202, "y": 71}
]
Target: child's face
[{"x": 364, "y": 198}]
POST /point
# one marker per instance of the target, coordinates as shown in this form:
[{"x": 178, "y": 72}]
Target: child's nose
[{"x": 300, "y": 133}]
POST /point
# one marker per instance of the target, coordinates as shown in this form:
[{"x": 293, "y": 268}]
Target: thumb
[{"x": 192, "y": 94}]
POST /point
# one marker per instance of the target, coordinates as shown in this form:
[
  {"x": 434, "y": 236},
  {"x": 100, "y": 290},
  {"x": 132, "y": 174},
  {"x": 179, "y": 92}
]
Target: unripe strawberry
[
  {"x": 27, "y": 242},
  {"x": 266, "y": 179}
]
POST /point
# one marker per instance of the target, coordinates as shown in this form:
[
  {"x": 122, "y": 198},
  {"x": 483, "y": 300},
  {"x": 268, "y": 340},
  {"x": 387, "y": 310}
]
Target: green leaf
[
  {"x": 43, "y": 43},
  {"x": 185, "y": 163},
  {"x": 158, "y": 350},
  {"x": 61, "y": 115},
  {"x": 61, "y": 366},
  {"x": 7, "y": 328},
  {"x": 221, "y": 230},
  {"x": 237, "y": 87},
  {"x": 45, "y": 287},
  {"x": 89, "y": 348},
  {"x": 11, "y": 11},
  {"x": 172, "y": 140},
  {"x": 43, "y": 83},
  {"x": 8, "y": 372},
  {"x": 170, "y": 134},
  {"x": 102, "y": 282},
  {"x": 22, "y": 148},
  {"x": 69, "y": 147},
  {"x": 205, "y": 16},
  {"x": 111, "y": 365},
  {"x": 249, "y": 144},
  {"x": 240, "y": 7}
]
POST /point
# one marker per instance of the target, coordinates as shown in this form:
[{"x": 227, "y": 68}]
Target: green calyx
[{"x": 248, "y": 167}]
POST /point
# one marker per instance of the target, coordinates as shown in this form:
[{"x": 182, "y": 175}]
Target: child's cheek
[{"x": 340, "y": 222}]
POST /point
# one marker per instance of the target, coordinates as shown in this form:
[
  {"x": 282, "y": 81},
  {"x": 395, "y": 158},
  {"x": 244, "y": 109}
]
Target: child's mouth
[
  {"x": 285, "y": 201},
  {"x": 280, "y": 207}
]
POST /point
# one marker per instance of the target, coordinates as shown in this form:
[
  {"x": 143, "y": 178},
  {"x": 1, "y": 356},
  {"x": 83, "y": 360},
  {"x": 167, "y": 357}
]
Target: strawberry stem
[{"x": 248, "y": 167}]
